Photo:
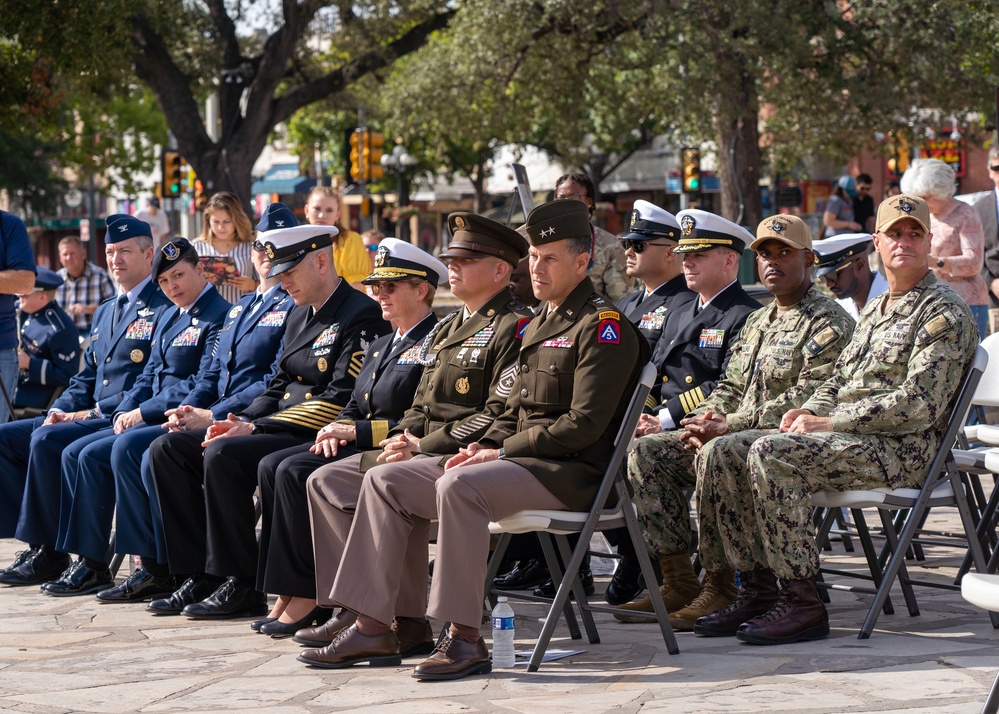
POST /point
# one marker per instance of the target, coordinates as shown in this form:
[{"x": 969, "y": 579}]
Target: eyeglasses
[
  {"x": 639, "y": 245},
  {"x": 387, "y": 287},
  {"x": 835, "y": 275},
  {"x": 571, "y": 197},
  {"x": 258, "y": 246}
]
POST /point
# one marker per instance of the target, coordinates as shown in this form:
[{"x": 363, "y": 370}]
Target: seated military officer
[
  {"x": 182, "y": 347},
  {"x": 783, "y": 352},
  {"x": 843, "y": 265},
  {"x": 30, "y": 451},
  {"x": 877, "y": 422},
  {"x": 549, "y": 449},
  {"x": 50, "y": 344},
  {"x": 469, "y": 361},
  {"x": 323, "y": 346}
]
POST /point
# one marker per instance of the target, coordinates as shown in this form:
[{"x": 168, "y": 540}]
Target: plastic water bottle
[{"x": 503, "y": 652}]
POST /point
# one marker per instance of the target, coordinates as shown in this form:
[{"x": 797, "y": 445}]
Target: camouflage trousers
[
  {"x": 661, "y": 472},
  {"x": 763, "y": 513}
]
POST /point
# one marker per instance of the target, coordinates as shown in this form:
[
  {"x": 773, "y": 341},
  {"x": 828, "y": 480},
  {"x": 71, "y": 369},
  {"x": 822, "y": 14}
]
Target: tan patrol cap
[
  {"x": 786, "y": 228},
  {"x": 894, "y": 209}
]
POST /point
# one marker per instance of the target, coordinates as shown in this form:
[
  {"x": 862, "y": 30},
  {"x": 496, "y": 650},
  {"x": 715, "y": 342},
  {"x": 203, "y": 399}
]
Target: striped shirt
[
  {"x": 92, "y": 287},
  {"x": 240, "y": 255}
]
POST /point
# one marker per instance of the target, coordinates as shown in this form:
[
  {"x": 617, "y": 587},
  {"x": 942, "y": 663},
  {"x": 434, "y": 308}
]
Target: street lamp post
[{"x": 399, "y": 162}]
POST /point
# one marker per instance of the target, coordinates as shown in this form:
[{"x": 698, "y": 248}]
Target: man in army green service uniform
[
  {"x": 876, "y": 423},
  {"x": 470, "y": 362},
  {"x": 784, "y": 351},
  {"x": 578, "y": 363}
]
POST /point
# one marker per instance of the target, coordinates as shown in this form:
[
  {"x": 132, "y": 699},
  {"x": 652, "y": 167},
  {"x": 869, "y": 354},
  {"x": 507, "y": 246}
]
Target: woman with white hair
[{"x": 957, "y": 248}]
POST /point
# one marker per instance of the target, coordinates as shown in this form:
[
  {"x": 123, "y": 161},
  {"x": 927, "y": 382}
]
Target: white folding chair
[
  {"x": 944, "y": 486},
  {"x": 558, "y": 525},
  {"x": 983, "y": 591}
]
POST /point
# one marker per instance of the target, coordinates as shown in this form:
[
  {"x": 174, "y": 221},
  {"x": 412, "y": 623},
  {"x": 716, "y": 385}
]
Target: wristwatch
[
  {"x": 940, "y": 262},
  {"x": 92, "y": 414},
  {"x": 502, "y": 453}
]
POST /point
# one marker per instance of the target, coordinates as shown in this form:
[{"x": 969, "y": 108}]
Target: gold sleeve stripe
[
  {"x": 379, "y": 430},
  {"x": 314, "y": 422},
  {"x": 650, "y": 402},
  {"x": 690, "y": 399}
]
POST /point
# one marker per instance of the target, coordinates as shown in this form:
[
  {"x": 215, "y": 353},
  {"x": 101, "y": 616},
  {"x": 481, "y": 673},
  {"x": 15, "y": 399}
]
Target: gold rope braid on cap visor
[{"x": 389, "y": 273}]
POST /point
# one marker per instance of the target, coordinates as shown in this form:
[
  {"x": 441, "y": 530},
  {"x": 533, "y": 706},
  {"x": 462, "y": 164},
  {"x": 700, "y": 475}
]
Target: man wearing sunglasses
[
  {"x": 988, "y": 210},
  {"x": 843, "y": 265}
]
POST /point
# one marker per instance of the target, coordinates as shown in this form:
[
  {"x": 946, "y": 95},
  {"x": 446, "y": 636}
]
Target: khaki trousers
[{"x": 384, "y": 563}]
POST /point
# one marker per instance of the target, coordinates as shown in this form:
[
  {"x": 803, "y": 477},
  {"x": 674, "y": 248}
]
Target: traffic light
[
  {"x": 200, "y": 197},
  {"x": 173, "y": 170},
  {"x": 190, "y": 180},
  {"x": 356, "y": 171},
  {"x": 901, "y": 152},
  {"x": 690, "y": 160},
  {"x": 374, "y": 144}
]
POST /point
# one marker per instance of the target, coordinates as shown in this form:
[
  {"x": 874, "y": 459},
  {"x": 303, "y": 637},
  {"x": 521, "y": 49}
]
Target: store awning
[{"x": 283, "y": 179}]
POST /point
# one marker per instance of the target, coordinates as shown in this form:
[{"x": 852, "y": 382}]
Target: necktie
[
  {"x": 255, "y": 305},
  {"x": 119, "y": 308}
]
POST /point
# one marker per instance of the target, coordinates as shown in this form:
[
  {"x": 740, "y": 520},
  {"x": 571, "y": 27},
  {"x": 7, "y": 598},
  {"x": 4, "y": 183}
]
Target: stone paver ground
[{"x": 77, "y": 655}]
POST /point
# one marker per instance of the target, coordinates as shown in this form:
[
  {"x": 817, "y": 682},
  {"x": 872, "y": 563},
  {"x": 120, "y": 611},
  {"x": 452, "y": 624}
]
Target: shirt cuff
[{"x": 666, "y": 420}]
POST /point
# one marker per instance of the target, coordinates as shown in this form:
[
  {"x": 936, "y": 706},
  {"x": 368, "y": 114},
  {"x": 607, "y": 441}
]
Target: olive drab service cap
[{"x": 474, "y": 236}]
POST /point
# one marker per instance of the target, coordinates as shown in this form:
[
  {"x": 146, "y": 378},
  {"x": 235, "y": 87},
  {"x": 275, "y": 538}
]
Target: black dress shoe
[
  {"x": 548, "y": 589},
  {"x": 19, "y": 559},
  {"x": 279, "y": 630},
  {"x": 231, "y": 600},
  {"x": 528, "y": 574},
  {"x": 139, "y": 586},
  {"x": 191, "y": 591},
  {"x": 257, "y": 624},
  {"x": 79, "y": 579},
  {"x": 626, "y": 583},
  {"x": 35, "y": 567}
]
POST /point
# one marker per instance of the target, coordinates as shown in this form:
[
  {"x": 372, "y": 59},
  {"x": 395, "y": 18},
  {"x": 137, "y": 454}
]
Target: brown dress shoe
[
  {"x": 325, "y": 633},
  {"x": 798, "y": 616},
  {"x": 415, "y": 636},
  {"x": 351, "y": 647},
  {"x": 756, "y": 596},
  {"x": 455, "y": 658}
]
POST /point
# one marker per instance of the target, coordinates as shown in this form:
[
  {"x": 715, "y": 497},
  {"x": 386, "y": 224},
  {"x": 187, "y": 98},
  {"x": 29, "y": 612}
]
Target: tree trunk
[{"x": 737, "y": 129}]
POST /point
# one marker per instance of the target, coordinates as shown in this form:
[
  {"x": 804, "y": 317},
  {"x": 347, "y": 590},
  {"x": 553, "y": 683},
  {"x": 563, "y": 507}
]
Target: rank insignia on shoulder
[
  {"x": 609, "y": 315},
  {"x": 522, "y": 324},
  {"x": 822, "y": 340},
  {"x": 609, "y": 332},
  {"x": 932, "y": 329}
]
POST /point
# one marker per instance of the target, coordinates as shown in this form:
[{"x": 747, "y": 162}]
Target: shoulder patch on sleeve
[
  {"x": 823, "y": 339},
  {"x": 933, "y": 329},
  {"x": 609, "y": 332}
]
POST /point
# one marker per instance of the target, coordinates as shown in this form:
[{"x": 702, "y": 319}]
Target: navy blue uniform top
[
  {"x": 649, "y": 313},
  {"x": 321, "y": 360},
  {"x": 115, "y": 357},
  {"x": 386, "y": 385},
  {"x": 183, "y": 346},
  {"x": 15, "y": 254},
  {"x": 246, "y": 355},
  {"x": 52, "y": 343},
  {"x": 694, "y": 350}
]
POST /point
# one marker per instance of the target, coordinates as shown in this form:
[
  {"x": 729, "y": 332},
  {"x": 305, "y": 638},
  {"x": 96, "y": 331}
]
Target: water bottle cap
[{"x": 501, "y": 598}]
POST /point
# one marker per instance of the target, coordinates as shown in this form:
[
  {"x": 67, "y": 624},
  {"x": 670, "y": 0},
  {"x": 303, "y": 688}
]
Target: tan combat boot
[
  {"x": 680, "y": 586},
  {"x": 719, "y": 591}
]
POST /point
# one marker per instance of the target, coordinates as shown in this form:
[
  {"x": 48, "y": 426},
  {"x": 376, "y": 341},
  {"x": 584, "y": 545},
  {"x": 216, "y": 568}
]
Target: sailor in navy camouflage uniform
[
  {"x": 30, "y": 451},
  {"x": 50, "y": 344}
]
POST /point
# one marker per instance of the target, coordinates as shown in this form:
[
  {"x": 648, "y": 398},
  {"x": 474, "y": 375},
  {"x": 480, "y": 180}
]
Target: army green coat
[{"x": 577, "y": 370}]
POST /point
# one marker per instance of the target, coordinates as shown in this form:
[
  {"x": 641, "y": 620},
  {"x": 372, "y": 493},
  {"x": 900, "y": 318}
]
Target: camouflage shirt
[
  {"x": 607, "y": 271},
  {"x": 778, "y": 360},
  {"x": 895, "y": 382}
]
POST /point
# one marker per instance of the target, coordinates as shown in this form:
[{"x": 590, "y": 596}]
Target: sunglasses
[
  {"x": 994, "y": 168},
  {"x": 571, "y": 197},
  {"x": 386, "y": 287},
  {"x": 258, "y": 246},
  {"x": 639, "y": 245},
  {"x": 372, "y": 248}
]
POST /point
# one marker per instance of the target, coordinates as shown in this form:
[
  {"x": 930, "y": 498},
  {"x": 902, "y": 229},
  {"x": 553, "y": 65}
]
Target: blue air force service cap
[
  {"x": 700, "y": 231},
  {"x": 276, "y": 216},
  {"x": 398, "y": 260},
  {"x": 46, "y": 279},
  {"x": 287, "y": 247},
  {"x": 168, "y": 254},
  {"x": 834, "y": 253},
  {"x": 649, "y": 222},
  {"x": 122, "y": 227}
]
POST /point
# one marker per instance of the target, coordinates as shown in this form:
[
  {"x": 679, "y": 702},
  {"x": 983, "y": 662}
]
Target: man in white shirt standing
[{"x": 156, "y": 219}]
